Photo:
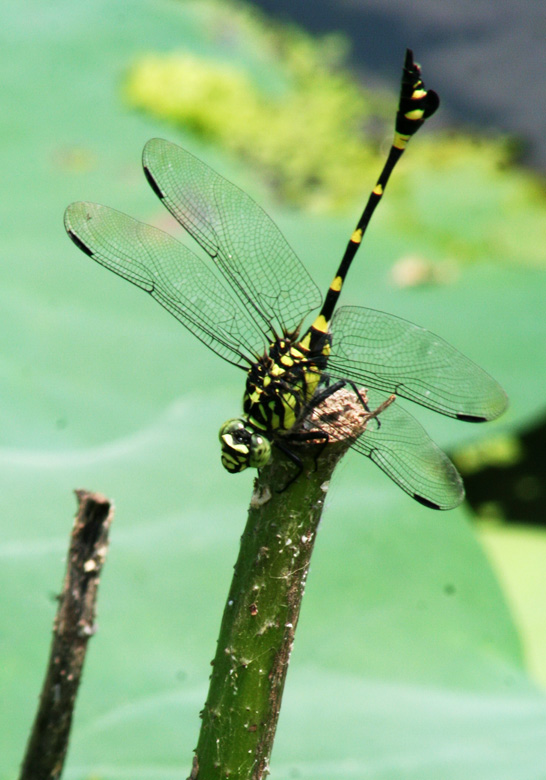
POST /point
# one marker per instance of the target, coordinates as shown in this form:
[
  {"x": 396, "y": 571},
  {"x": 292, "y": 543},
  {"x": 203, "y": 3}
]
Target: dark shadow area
[
  {"x": 486, "y": 60},
  {"x": 519, "y": 490}
]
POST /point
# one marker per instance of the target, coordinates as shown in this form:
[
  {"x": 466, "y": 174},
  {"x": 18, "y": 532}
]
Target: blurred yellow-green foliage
[
  {"x": 306, "y": 139},
  {"x": 316, "y": 135}
]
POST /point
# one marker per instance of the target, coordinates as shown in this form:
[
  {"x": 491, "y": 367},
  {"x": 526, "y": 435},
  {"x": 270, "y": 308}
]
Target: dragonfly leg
[
  {"x": 329, "y": 390},
  {"x": 316, "y": 435},
  {"x": 295, "y": 459},
  {"x": 301, "y": 437},
  {"x": 321, "y": 395},
  {"x": 358, "y": 394}
]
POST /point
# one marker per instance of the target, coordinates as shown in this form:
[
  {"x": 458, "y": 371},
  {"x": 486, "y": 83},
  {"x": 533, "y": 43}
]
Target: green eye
[{"x": 242, "y": 446}]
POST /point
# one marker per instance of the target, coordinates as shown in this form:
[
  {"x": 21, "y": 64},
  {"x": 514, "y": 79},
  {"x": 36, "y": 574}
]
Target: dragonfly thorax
[{"x": 279, "y": 387}]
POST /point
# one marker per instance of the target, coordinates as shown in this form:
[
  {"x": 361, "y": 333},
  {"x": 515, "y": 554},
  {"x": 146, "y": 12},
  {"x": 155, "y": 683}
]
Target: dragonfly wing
[
  {"x": 401, "y": 447},
  {"x": 250, "y": 249},
  {"x": 384, "y": 352},
  {"x": 177, "y": 278}
]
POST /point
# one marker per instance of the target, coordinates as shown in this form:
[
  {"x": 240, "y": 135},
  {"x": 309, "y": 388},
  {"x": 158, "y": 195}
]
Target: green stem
[{"x": 263, "y": 606}]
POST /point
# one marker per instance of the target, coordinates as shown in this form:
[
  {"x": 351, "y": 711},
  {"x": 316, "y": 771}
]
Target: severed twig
[{"x": 74, "y": 625}]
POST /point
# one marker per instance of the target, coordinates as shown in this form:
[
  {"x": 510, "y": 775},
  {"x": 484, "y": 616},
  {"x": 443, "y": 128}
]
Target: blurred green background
[{"x": 421, "y": 651}]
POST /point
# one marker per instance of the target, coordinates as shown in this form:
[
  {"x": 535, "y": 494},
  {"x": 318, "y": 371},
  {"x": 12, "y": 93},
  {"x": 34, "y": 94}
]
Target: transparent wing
[
  {"x": 251, "y": 251},
  {"x": 401, "y": 447},
  {"x": 177, "y": 278},
  {"x": 381, "y": 351}
]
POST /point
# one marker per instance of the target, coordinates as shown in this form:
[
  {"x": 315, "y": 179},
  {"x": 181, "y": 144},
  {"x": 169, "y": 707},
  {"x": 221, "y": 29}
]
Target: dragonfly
[{"x": 248, "y": 303}]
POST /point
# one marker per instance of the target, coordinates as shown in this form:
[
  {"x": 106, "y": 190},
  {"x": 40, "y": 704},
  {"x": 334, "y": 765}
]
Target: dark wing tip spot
[
  {"x": 426, "y": 502},
  {"x": 152, "y": 182},
  {"x": 471, "y": 418},
  {"x": 79, "y": 243}
]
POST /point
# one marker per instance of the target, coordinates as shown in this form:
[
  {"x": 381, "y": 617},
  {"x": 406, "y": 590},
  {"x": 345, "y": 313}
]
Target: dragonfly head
[{"x": 243, "y": 446}]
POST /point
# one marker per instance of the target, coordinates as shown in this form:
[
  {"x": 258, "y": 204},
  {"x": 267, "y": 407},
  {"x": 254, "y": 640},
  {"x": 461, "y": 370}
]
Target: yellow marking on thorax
[
  {"x": 286, "y": 360},
  {"x": 418, "y": 94},
  {"x": 258, "y": 423},
  {"x": 356, "y": 238},
  {"x": 296, "y": 354},
  {"x": 311, "y": 381},
  {"x": 288, "y": 417},
  {"x": 305, "y": 343},
  {"x": 276, "y": 370}
]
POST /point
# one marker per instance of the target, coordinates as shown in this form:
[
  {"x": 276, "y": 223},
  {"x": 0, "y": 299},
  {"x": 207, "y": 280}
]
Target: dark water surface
[{"x": 486, "y": 59}]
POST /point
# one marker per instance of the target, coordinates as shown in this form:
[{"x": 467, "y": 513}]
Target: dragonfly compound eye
[
  {"x": 260, "y": 451},
  {"x": 242, "y": 446}
]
